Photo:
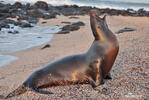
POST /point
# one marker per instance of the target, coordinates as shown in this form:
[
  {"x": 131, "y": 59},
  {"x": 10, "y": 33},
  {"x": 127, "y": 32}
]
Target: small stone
[
  {"x": 46, "y": 46},
  {"x": 73, "y": 17},
  {"x": 42, "y": 5},
  {"x": 63, "y": 32},
  {"x": 44, "y": 22},
  {"x": 13, "y": 32},
  {"x": 126, "y": 29},
  {"x": 79, "y": 23},
  {"x": 64, "y": 22}
]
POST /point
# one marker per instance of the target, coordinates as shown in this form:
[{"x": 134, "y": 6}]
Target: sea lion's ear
[
  {"x": 100, "y": 17},
  {"x": 104, "y": 17}
]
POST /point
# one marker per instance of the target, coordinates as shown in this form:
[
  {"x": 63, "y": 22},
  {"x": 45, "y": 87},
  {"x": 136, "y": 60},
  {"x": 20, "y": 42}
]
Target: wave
[
  {"x": 6, "y": 59},
  {"x": 52, "y": 2},
  {"x": 27, "y": 38},
  {"x": 117, "y": 4}
]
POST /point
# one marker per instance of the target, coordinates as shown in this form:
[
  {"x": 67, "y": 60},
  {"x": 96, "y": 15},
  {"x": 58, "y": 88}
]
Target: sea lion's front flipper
[
  {"x": 99, "y": 76},
  {"x": 96, "y": 78}
]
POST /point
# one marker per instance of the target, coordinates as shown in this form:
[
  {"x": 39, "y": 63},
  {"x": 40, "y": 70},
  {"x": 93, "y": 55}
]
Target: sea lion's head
[{"x": 98, "y": 25}]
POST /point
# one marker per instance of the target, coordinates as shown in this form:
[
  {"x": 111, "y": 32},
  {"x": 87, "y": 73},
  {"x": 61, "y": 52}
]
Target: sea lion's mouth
[{"x": 94, "y": 15}]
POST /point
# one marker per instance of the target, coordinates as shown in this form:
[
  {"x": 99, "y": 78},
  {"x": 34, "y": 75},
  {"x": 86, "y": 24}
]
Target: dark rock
[
  {"x": 42, "y": 5},
  {"x": 126, "y": 29},
  {"x": 73, "y": 27},
  {"x": 49, "y": 16},
  {"x": 12, "y": 27},
  {"x": 64, "y": 32},
  {"x": 28, "y": 6},
  {"x": 147, "y": 13},
  {"x": 4, "y": 26},
  {"x": 4, "y": 23},
  {"x": 73, "y": 17},
  {"x": 44, "y": 22},
  {"x": 13, "y": 10},
  {"x": 17, "y": 5},
  {"x": 4, "y": 15},
  {"x": 131, "y": 11},
  {"x": 75, "y": 6},
  {"x": 23, "y": 24},
  {"x": 113, "y": 12},
  {"x": 69, "y": 10},
  {"x": 13, "y": 15},
  {"x": 46, "y": 46},
  {"x": 105, "y": 91},
  {"x": 29, "y": 19},
  {"x": 23, "y": 17},
  {"x": 141, "y": 12},
  {"x": 13, "y": 32},
  {"x": 40, "y": 13},
  {"x": 35, "y": 13},
  {"x": 41, "y": 9},
  {"x": 70, "y": 27},
  {"x": 64, "y": 22},
  {"x": 79, "y": 23},
  {"x": 4, "y": 9},
  {"x": 33, "y": 20}
]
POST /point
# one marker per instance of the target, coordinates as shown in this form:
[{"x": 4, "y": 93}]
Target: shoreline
[{"x": 25, "y": 39}]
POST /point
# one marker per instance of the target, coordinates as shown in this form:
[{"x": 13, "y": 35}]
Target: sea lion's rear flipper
[
  {"x": 40, "y": 91},
  {"x": 20, "y": 90}
]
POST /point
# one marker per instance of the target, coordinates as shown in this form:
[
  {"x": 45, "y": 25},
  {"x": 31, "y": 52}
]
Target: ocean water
[
  {"x": 26, "y": 38},
  {"x": 118, "y": 4}
]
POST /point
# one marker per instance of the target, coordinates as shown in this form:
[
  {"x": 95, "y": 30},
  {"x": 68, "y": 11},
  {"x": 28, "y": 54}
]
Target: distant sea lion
[{"x": 90, "y": 67}]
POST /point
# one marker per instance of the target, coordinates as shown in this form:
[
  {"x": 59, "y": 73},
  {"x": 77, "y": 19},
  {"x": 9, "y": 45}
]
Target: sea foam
[{"x": 26, "y": 38}]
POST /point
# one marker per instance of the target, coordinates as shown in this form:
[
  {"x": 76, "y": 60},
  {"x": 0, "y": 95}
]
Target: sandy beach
[{"x": 130, "y": 71}]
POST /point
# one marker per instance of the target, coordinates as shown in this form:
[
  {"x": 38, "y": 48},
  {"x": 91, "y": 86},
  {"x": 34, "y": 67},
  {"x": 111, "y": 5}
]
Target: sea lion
[{"x": 90, "y": 67}]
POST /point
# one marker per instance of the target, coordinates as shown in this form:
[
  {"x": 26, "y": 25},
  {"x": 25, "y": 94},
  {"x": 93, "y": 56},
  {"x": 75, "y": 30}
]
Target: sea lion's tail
[{"x": 20, "y": 90}]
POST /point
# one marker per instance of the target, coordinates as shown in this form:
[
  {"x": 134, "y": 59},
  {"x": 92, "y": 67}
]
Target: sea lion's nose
[{"x": 93, "y": 13}]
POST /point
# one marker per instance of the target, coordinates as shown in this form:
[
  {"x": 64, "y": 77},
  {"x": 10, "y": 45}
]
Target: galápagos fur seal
[{"x": 90, "y": 67}]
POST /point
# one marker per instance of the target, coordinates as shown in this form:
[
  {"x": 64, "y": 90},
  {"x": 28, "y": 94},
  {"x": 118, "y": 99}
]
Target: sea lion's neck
[
  {"x": 102, "y": 32},
  {"x": 106, "y": 35}
]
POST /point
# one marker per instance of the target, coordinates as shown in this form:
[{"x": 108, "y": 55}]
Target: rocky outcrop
[
  {"x": 72, "y": 27},
  {"x": 31, "y": 13}
]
